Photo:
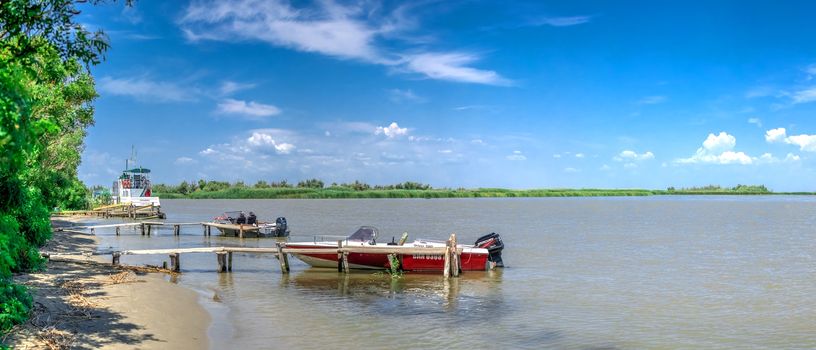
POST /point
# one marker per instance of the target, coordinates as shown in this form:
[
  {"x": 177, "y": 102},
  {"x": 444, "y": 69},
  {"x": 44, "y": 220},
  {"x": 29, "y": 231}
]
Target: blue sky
[{"x": 458, "y": 94}]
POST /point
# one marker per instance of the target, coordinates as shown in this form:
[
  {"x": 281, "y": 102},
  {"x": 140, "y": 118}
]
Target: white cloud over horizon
[
  {"x": 718, "y": 149},
  {"x": 805, "y": 142}
]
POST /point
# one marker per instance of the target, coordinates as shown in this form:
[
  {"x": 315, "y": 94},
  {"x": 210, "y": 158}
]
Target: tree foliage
[{"x": 46, "y": 92}]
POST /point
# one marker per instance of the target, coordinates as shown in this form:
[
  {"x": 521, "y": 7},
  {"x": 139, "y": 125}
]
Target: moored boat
[
  {"x": 238, "y": 224},
  {"x": 484, "y": 255}
]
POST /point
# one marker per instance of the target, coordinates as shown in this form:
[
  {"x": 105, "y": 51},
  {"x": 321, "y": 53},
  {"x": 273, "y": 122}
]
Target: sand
[{"x": 87, "y": 303}]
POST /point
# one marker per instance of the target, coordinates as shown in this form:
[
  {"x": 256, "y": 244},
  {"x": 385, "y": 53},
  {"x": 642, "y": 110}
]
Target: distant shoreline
[{"x": 331, "y": 193}]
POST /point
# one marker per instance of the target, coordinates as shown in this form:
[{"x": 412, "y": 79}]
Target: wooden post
[
  {"x": 339, "y": 256},
  {"x": 229, "y": 261},
  {"x": 284, "y": 259},
  {"x": 221, "y": 257},
  {"x": 176, "y": 230},
  {"x": 345, "y": 262},
  {"x": 240, "y": 231},
  {"x": 454, "y": 257},
  {"x": 204, "y": 226},
  {"x": 93, "y": 231},
  {"x": 115, "y": 258},
  {"x": 446, "y": 270},
  {"x": 143, "y": 229},
  {"x": 209, "y": 230},
  {"x": 117, "y": 230},
  {"x": 175, "y": 262},
  {"x": 149, "y": 226}
]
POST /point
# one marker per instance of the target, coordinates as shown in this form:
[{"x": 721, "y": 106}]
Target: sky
[{"x": 539, "y": 94}]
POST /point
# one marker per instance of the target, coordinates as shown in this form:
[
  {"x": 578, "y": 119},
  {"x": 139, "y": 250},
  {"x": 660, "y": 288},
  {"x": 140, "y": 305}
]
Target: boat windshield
[{"x": 364, "y": 234}]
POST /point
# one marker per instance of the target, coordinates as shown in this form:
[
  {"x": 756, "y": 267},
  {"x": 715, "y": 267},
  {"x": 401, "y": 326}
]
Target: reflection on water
[{"x": 583, "y": 273}]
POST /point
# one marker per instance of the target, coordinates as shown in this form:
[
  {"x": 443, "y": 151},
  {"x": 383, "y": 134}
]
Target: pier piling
[
  {"x": 175, "y": 263},
  {"x": 221, "y": 257}
]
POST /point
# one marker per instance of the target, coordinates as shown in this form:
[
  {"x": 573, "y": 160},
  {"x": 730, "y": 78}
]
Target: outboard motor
[
  {"x": 494, "y": 246},
  {"x": 281, "y": 229}
]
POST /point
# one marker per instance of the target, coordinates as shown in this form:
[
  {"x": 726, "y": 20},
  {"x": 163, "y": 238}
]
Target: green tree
[{"x": 45, "y": 106}]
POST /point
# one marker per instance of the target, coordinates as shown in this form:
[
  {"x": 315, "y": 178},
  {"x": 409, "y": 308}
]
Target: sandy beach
[{"x": 86, "y": 303}]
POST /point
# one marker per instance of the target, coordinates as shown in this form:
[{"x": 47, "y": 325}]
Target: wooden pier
[
  {"x": 127, "y": 210},
  {"x": 146, "y": 227},
  {"x": 281, "y": 252}
]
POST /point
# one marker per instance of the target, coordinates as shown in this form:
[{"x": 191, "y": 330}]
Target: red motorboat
[{"x": 484, "y": 255}]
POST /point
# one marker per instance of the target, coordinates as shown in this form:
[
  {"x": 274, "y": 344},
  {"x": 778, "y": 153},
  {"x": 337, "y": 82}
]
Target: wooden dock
[
  {"x": 224, "y": 254},
  {"x": 127, "y": 210},
  {"x": 146, "y": 227}
]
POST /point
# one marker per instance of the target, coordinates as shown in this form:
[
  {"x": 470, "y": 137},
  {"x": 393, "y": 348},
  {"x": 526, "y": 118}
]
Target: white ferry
[{"x": 133, "y": 187}]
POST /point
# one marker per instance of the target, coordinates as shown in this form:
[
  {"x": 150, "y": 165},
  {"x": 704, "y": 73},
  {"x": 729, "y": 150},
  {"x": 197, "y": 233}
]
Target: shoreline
[{"x": 88, "y": 303}]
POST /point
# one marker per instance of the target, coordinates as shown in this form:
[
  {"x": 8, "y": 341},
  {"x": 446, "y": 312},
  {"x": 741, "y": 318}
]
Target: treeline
[
  {"x": 315, "y": 188},
  {"x": 186, "y": 188},
  {"x": 46, "y": 92},
  {"x": 716, "y": 189}
]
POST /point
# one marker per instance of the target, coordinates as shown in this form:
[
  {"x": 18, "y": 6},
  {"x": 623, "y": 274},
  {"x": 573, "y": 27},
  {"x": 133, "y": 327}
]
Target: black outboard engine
[
  {"x": 281, "y": 230},
  {"x": 494, "y": 246}
]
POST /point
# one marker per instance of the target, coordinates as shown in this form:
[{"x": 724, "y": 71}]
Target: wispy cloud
[
  {"x": 400, "y": 96},
  {"x": 453, "y": 66},
  {"x": 804, "y": 95},
  {"x": 561, "y": 21},
  {"x": 251, "y": 109},
  {"x": 145, "y": 89},
  {"x": 755, "y": 121},
  {"x": 652, "y": 100},
  {"x": 352, "y": 32},
  {"x": 230, "y": 87},
  {"x": 516, "y": 156}
]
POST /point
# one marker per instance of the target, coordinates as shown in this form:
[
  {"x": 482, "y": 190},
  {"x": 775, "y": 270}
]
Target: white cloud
[
  {"x": 556, "y": 156},
  {"x": 261, "y": 139},
  {"x": 571, "y": 170},
  {"x": 563, "y": 21},
  {"x": 605, "y": 168},
  {"x": 207, "y": 152},
  {"x": 144, "y": 89},
  {"x": 249, "y": 109},
  {"x": 717, "y": 149},
  {"x": 229, "y": 87},
  {"x": 755, "y": 121},
  {"x": 628, "y": 155},
  {"x": 399, "y": 96},
  {"x": 391, "y": 131},
  {"x": 185, "y": 160},
  {"x": 719, "y": 143},
  {"x": 805, "y": 142},
  {"x": 580, "y": 155},
  {"x": 452, "y": 66},
  {"x": 355, "y": 31},
  {"x": 804, "y": 96},
  {"x": 630, "y": 165},
  {"x": 775, "y": 135},
  {"x": 517, "y": 155},
  {"x": 652, "y": 100},
  {"x": 446, "y": 151}
]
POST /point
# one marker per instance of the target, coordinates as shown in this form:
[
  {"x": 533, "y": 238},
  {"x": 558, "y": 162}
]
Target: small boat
[
  {"x": 238, "y": 224},
  {"x": 484, "y": 255}
]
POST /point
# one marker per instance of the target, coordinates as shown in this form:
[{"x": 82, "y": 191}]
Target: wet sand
[{"x": 86, "y": 303}]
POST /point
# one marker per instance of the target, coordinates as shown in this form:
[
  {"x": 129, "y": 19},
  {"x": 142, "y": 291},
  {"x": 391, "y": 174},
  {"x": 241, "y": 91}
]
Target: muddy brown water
[{"x": 582, "y": 273}]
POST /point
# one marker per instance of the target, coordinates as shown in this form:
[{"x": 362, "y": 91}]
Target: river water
[{"x": 667, "y": 272}]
